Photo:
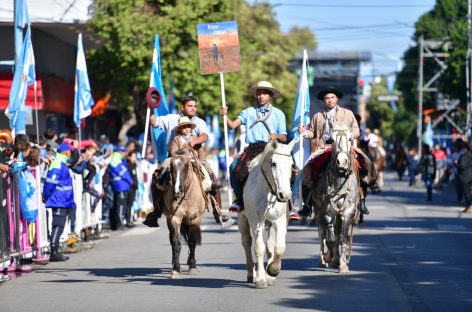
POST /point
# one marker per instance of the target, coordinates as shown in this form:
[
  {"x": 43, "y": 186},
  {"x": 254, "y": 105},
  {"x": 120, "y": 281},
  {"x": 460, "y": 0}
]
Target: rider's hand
[
  {"x": 272, "y": 137},
  {"x": 152, "y": 120},
  {"x": 301, "y": 129},
  {"x": 223, "y": 111}
]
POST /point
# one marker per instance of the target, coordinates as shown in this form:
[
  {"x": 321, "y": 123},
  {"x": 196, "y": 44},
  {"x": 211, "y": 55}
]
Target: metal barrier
[{"x": 22, "y": 240}]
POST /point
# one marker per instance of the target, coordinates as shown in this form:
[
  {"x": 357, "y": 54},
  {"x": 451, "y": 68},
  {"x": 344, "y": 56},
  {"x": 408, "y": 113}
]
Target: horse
[
  {"x": 336, "y": 198},
  {"x": 378, "y": 156},
  {"x": 184, "y": 203},
  {"x": 266, "y": 195}
]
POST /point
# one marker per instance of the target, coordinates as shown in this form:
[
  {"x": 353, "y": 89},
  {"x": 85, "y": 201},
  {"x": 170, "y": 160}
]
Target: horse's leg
[
  {"x": 259, "y": 250},
  {"x": 194, "y": 239},
  {"x": 335, "y": 246},
  {"x": 345, "y": 241},
  {"x": 246, "y": 241},
  {"x": 322, "y": 234},
  {"x": 174, "y": 238},
  {"x": 280, "y": 229},
  {"x": 270, "y": 251}
]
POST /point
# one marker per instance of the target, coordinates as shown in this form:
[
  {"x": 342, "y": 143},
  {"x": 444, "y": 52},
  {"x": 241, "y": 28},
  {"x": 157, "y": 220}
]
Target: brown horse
[{"x": 183, "y": 203}]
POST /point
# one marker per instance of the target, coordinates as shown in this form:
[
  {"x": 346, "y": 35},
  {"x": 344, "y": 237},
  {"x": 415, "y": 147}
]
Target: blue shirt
[{"x": 257, "y": 131}]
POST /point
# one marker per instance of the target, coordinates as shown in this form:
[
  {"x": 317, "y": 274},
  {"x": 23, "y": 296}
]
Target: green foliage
[
  {"x": 381, "y": 115},
  {"x": 122, "y": 65},
  {"x": 447, "y": 20}
]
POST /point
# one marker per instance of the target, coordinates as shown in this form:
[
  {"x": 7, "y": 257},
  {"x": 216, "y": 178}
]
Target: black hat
[{"x": 322, "y": 93}]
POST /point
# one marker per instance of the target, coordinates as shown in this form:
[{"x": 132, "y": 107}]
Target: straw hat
[
  {"x": 184, "y": 121},
  {"x": 265, "y": 85}
]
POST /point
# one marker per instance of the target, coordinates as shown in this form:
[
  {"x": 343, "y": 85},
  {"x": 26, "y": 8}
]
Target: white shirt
[{"x": 169, "y": 122}]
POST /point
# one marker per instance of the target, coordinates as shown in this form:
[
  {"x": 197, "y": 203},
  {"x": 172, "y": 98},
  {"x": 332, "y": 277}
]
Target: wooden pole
[{"x": 225, "y": 128}]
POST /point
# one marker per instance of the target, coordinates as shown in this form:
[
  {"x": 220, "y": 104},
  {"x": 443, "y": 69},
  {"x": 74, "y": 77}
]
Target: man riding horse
[
  {"x": 264, "y": 123},
  {"x": 320, "y": 133},
  {"x": 200, "y": 135}
]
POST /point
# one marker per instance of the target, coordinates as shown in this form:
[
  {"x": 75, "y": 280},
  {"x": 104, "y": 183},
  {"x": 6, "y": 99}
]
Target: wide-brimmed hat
[
  {"x": 322, "y": 93},
  {"x": 153, "y": 98},
  {"x": 184, "y": 121},
  {"x": 265, "y": 85}
]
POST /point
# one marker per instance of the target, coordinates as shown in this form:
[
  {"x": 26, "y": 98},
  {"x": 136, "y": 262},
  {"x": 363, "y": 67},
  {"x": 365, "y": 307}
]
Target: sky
[{"x": 383, "y": 27}]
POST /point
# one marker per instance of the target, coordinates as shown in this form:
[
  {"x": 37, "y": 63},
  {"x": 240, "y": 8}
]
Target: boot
[
  {"x": 305, "y": 212},
  {"x": 362, "y": 207},
  {"x": 56, "y": 255},
  {"x": 151, "y": 220},
  {"x": 467, "y": 209}
]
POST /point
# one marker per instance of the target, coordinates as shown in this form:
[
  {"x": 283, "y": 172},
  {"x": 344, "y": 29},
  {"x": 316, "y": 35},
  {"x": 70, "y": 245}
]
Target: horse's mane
[{"x": 268, "y": 148}]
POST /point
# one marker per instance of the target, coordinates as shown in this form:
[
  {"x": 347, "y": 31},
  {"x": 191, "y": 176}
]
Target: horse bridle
[
  {"x": 273, "y": 189},
  {"x": 337, "y": 146}
]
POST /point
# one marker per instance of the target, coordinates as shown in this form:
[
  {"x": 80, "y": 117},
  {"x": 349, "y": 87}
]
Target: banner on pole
[{"x": 218, "y": 46}]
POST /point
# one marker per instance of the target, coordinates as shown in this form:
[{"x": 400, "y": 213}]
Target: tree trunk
[{"x": 128, "y": 124}]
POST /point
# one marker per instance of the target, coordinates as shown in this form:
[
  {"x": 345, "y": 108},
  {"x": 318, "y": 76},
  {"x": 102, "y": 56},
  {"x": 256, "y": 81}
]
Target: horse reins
[{"x": 272, "y": 189}]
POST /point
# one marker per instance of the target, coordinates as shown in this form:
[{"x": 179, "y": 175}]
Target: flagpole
[
  {"x": 148, "y": 115},
  {"x": 36, "y": 108},
  {"x": 302, "y": 121},
  {"x": 225, "y": 129}
]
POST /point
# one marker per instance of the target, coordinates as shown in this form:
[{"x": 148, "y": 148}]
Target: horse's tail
[{"x": 191, "y": 233}]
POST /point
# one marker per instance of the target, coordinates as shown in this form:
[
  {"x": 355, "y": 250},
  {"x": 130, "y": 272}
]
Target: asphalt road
[{"x": 410, "y": 256}]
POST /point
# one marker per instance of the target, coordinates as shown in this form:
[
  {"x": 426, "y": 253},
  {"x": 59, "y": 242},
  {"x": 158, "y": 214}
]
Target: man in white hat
[{"x": 264, "y": 123}]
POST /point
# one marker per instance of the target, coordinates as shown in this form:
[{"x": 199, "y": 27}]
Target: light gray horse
[
  {"x": 336, "y": 197},
  {"x": 266, "y": 194}
]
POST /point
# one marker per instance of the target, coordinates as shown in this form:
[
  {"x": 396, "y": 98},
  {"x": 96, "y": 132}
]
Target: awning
[{"x": 5, "y": 86}]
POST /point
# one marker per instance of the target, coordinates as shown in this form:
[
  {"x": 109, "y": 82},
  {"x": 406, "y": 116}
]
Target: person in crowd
[
  {"x": 51, "y": 141},
  {"x": 441, "y": 165},
  {"x": 264, "y": 122},
  {"x": 59, "y": 196},
  {"x": 458, "y": 151},
  {"x": 427, "y": 169},
  {"x": 413, "y": 162},
  {"x": 132, "y": 164},
  {"x": 121, "y": 182},
  {"x": 464, "y": 172}
]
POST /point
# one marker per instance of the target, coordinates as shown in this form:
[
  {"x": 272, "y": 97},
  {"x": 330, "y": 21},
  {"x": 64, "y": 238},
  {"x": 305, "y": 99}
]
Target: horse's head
[
  {"x": 277, "y": 168},
  {"x": 179, "y": 171},
  {"x": 341, "y": 137}
]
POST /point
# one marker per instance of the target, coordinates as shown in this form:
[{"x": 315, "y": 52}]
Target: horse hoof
[
  {"x": 335, "y": 265},
  {"x": 273, "y": 269},
  {"x": 193, "y": 271},
  {"x": 261, "y": 284},
  {"x": 250, "y": 279},
  {"x": 343, "y": 269},
  {"x": 323, "y": 265},
  {"x": 270, "y": 281},
  {"x": 174, "y": 275}
]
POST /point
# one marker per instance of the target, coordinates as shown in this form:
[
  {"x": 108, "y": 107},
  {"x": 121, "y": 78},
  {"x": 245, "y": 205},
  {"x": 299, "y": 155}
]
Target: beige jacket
[
  {"x": 178, "y": 143},
  {"x": 318, "y": 125}
]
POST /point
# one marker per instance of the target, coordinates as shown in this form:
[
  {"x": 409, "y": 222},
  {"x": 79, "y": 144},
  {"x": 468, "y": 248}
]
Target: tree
[
  {"x": 447, "y": 20},
  {"x": 122, "y": 65}
]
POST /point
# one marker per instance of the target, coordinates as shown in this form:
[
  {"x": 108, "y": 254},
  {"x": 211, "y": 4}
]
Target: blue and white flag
[
  {"x": 172, "y": 102},
  {"x": 301, "y": 114},
  {"x": 159, "y": 135},
  {"x": 23, "y": 77},
  {"x": 83, "y": 100}
]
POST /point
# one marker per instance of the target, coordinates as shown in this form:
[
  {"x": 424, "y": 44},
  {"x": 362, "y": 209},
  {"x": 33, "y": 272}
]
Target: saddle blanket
[{"x": 319, "y": 162}]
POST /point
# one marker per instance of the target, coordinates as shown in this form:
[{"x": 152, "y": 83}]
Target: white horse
[{"x": 266, "y": 194}]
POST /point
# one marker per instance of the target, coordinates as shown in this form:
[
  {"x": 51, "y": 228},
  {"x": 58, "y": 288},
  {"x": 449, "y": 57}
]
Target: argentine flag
[
  {"x": 301, "y": 115},
  {"x": 83, "y": 100},
  {"x": 23, "y": 77},
  {"x": 159, "y": 135}
]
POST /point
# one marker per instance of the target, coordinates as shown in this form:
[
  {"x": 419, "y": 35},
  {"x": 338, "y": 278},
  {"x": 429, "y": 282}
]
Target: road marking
[{"x": 451, "y": 227}]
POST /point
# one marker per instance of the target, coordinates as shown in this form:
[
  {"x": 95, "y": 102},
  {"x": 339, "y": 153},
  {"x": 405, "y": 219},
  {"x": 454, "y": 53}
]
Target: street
[{"x": 410, "y": 256}]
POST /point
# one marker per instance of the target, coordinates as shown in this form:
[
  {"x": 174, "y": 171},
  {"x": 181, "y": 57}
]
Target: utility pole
[{"x": 419, "y": 127}]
